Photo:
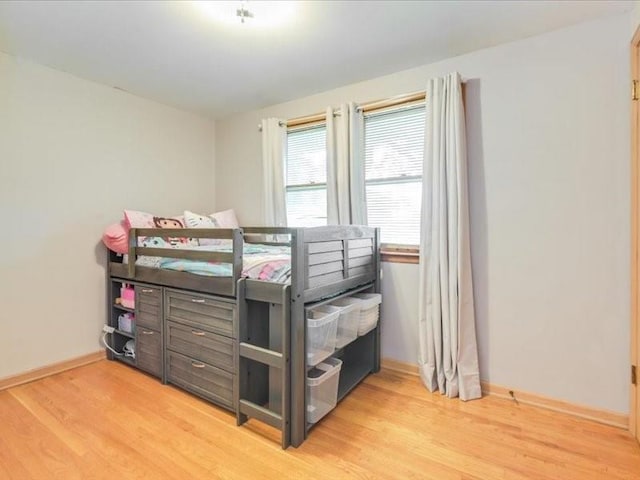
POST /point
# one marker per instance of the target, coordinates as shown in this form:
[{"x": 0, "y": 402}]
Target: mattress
[{"x": 260, "y": 262}]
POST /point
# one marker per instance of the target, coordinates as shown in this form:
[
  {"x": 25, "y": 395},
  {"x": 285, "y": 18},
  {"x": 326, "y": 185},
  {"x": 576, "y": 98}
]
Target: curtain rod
[
  {"x": 393, "y": 101},
  {"x": 365, "y": 108}
]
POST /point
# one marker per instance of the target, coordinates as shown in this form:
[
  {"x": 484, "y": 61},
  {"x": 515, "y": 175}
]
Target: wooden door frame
[{"x": 635, "y": 234}]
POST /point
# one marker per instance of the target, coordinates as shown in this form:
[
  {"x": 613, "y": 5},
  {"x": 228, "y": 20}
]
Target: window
[
  {"x": 393, "y": 158},
  {"x": 306, "y": 177},
  {"x": 394, "y": 151}
]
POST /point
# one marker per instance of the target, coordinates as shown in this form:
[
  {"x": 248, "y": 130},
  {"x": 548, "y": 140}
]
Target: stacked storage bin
[
  {"x": 322, "y": 388},
  {"x": 369, "y": 311},
  {"x": 349, "y": 320},
  {"x": 322, "y": 327},
  {"x": 329, "y": 327},
  {"x": 323, "y": 378}
]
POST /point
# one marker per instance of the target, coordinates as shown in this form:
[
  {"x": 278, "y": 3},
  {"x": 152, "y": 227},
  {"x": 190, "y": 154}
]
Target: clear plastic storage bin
[
  {"x": 348, "y": 321},
  {"x": 322, "y": 388},
  {"x": 322, "y": 326},
  {"x": 369, "y": 311}
]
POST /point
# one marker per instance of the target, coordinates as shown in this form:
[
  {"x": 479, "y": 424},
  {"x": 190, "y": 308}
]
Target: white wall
[
  {"x": 548, "y": 139},
  {"x": 73, "y": 154},
  {"x": 635, "y": 17}
]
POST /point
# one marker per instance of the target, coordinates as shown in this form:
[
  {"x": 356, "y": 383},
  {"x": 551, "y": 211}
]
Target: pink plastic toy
[{"x": 127, "y": 296}]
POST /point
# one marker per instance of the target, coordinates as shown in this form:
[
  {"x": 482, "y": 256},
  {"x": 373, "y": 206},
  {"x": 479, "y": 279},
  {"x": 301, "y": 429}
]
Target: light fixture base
[{"x": 243, "y": 13}]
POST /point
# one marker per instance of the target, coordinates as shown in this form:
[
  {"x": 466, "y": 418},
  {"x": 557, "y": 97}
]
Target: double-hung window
[
  {"x": 306, "y": 177},
  {"x": 393, "y": 158},
  {"x": 394, "y": 151}
]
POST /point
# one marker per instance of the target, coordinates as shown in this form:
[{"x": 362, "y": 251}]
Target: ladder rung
[
  {"x": 262, "y": 355},
  {"x": 265, "y": 415}
]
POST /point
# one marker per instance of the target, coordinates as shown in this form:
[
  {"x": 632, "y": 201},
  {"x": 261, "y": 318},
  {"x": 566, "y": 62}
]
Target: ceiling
[{"x": 174, "y": 53}]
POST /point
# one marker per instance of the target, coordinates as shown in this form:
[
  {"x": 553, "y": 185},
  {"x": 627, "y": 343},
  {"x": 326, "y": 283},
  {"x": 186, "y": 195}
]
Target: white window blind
[
  {"x": 306, "y": 177},
  {"x": 394, "y": 151}
]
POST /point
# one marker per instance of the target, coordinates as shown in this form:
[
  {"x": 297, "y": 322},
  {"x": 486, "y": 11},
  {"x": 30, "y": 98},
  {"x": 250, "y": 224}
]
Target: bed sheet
[{"x": 261, "y": 262}]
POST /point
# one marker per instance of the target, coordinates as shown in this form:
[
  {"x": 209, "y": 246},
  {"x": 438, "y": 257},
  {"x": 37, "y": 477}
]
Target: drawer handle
[
  {"x": 199, "y": 334},
  {"x": 197, "y": 365},
  {"x": 147, "y": 332},
  {"x": 197, "y": 300},
  {"x": 147, "y": 290}
]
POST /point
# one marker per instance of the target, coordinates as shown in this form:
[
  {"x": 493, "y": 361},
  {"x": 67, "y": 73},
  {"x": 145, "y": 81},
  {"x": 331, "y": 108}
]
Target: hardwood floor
[{"x": 106, "y": 420}]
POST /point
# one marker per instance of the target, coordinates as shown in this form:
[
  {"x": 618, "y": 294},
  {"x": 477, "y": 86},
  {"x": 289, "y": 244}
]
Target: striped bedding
[{"x": 261, "y": 262}]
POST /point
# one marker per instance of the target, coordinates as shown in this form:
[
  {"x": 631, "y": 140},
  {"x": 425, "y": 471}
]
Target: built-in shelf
[
  {"x": 123, "y": 308},
  {"x": 357, "y": 363},
  {"x": 149, "y": 350},
  {"x": 336, "y": 353},
  {"x": 348, "y": 293},
  {"x": 351, "y": 377},
  {"x": 124, "y": 334}
]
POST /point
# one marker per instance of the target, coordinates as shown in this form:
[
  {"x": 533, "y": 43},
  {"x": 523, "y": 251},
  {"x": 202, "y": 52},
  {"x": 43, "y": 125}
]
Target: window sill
[{"x": 397, "y": 254}]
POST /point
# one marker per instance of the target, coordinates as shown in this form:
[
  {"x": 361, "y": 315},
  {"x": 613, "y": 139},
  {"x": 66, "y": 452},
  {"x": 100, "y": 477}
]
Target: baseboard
[
  {"x": 607, "y": 417},
  {"x": 48, "y": 370},
  {"x": 598, "y": 415},
  {"x": 402, "y": 367}
]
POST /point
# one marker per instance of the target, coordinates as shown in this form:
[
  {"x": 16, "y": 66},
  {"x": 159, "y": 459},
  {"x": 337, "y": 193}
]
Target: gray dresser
[
  {"x": 148, "y": 329},
  {"x": 200, "y": 344},
  {"x": 184, "y": 338}
]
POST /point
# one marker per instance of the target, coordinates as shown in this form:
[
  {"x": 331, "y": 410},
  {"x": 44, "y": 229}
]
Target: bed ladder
[{"x": 263, "y": 388}]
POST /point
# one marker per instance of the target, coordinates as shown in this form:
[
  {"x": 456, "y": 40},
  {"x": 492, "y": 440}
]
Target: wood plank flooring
[{"x": 106, "y": 420}]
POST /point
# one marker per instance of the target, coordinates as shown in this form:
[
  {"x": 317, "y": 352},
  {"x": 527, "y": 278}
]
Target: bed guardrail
[
  {"x": 234, "y": 257},
  {"x": 268, "y": 235},
  {"x": 324, "y": 260}
]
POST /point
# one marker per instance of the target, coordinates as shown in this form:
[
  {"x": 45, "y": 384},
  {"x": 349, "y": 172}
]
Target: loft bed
[{"x": 270, "y": 320}]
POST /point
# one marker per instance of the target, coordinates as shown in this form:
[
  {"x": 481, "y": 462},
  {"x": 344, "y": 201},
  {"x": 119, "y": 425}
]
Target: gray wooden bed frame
[{"x": 326, "y": 263}]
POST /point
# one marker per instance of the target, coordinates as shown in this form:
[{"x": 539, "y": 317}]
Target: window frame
[{"x": 391, "y": 253}]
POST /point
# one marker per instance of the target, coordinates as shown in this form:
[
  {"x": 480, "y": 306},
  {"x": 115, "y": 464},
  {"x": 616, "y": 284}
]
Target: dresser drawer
[
  {"x": 149, "y": 295},
  {"x": 200, "y": 311},
  {"x": 149, "y": 307},
  {"x": 149, "y": 351},
  {"x": 206, "y": 346},
  {"x": 200, "y": 378}
]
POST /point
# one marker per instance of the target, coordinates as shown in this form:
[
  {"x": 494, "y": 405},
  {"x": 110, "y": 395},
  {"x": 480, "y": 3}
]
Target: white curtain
[
  {"x": 274, "y": 153},
  {"x": 448, "y": 350},
  {"x": 346, "y": 198}
]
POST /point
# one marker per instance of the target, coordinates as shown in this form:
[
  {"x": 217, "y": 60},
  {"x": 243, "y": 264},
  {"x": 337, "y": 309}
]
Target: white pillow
[{"x": 224, "y": 219}]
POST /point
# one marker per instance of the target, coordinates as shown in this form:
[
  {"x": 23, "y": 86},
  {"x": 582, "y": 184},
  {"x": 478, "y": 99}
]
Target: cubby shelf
[
  {"x": 123, "y": 308},
  {"x": 124, "y": 334},
  {"x": 147, "y": 343}
]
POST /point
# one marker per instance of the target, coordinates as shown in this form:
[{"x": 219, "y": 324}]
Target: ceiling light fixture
[
  {"x": 243, "y": 12},
  {"x": 256, "y": 14}
]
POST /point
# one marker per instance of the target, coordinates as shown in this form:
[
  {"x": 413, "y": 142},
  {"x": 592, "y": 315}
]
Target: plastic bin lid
[
  {"x": 325, "y": 309},
  {"x": 369, "y": 299},
  {"x": 325, "y": 368},
  {"x": 347, "y": 304},
  {"x": 315, "y": 372},
  {"x": 323, "y": 314}
]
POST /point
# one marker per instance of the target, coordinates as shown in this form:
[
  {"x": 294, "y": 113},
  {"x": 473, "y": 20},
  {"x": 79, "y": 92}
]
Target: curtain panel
[
  {"x": 448, "y": 357},
  {"x": 346, "y": 197},
  {"x": 274, "y": 154}
]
